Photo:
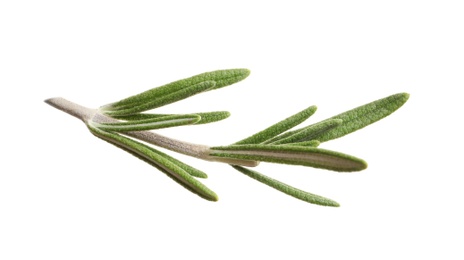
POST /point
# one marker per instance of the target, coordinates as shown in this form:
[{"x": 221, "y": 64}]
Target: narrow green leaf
[
  {"x": 279, "y": 127},
  {"x": 162, "y": 100},
  {"x": 365, "y": 115},
  {"x": 281, "y": 136},
  {"x": 296, "y": 155},
  {"x": 189, "y": 169},
  {"x": 211, "y": 117},
  {"x": 139, "y": 116},
  {"x": 206, "y": 117},
  {"x": 221, "y": 78},
  {"x": 310, "y": 143},
  {"x": 316, "y": 129},
  {"x": 149, "y": 124},
  {"x": 307, "y": 133},
  {"x": 168, "y": 166},
  {"x": 287, "y": 189},
  {"x": 159, "y": 168}
]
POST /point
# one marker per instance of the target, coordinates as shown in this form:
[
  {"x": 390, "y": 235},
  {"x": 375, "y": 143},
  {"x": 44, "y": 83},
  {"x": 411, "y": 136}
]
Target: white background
[{"x": 65, "y": 194}]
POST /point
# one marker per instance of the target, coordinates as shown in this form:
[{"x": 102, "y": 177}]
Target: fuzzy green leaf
[
  {"x": 309, "y": 132},
  {"x": 287, "y": 189},
  {"x": 211, "y": 117},
  {"x": 310, "y": 143},
  {"x": 189, "y": 169},
  {"x": 149, "y": 124},
  {"x": 313, "y": 131},
  {"x": 206, "y": 117},
  {"x": 279, "y": 127},
  {"x": 281, "y": 136},
  {"x": 296, "y": 155},
  {"x": 162, "y": 100},
  {"x": 168, "y": 166},
  {"x": 162, "y": 169},
  {"x": 139, "y": 116},
  {"x": 221, "y": 78},
  {"x": 362, "y": 116}
]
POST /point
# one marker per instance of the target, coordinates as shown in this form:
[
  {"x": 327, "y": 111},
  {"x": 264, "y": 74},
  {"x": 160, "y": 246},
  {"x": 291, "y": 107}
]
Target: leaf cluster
[
  {"x": 300, "y": 147},
  {"x": 117, "y": 122}
]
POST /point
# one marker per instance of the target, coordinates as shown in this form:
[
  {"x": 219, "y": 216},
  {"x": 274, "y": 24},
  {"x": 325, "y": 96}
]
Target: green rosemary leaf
[
  {"x": 365, "y": 115},
  {"x": 225, "y": 78},
  {"x": 287, "y": 189},
  {"x": 279, "y": 127},
  {"x": 281, "y": 136},
  {"x": 168, "y": 166},
  {"x": 211, "y": 117},
  {"x": 222, "y": 78},
  {"x": 189, "y": 169},
  {"x": 310, "y": 143},
  {"x": 160, "y": 169},
  {"x": 315, "y": 129},
  {"x": 297, "y": 155},
  {"x": 162, "y": 100},
  {"x": 206, "y": 117},
  {"x": 180, "y": 182},
  {"x": 149, "y": 124},
  {"x": 307, "y": 133},
  {"x": 139, "y": 116}
]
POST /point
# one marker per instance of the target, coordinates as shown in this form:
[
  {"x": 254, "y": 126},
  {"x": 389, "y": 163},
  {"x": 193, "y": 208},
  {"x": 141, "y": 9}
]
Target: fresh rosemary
[{"x": 121, "y": 123}]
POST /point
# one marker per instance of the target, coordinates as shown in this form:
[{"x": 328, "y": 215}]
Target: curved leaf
[
  {"x": 149, "y": 124},
  {"x": 167, "y": 166},
  {"x": 162, "y": 100},
  {"x": 363, "y": 116},
  {"x": 296, "y": 155},
  {"x": 221, "y": 78},
  {"x": 279, "y": 127},
  {"x": 287, "y": 189}
]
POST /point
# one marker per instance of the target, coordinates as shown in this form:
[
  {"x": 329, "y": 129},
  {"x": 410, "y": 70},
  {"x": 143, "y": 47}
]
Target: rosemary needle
[
  {"x": 205, "y": 117},
  {"x": 168, "y": 166},
  {"x": 287, "y": 189},
  {"x": 279, "y": 127},
  {"x": 297, "y": 155},
  {"x": 149, "y": 124}
]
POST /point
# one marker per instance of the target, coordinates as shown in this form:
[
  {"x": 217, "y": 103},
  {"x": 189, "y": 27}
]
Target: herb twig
[{"x": 121, "y": 122}]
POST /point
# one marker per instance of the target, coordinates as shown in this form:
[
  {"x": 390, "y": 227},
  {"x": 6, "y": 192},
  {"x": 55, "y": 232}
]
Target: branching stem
[
  {"x": 124, "y": 123},
  {"x": 89, "y": 116}
]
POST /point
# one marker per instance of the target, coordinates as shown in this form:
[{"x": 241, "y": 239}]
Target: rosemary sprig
[{"x": 121, "y": 122}]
